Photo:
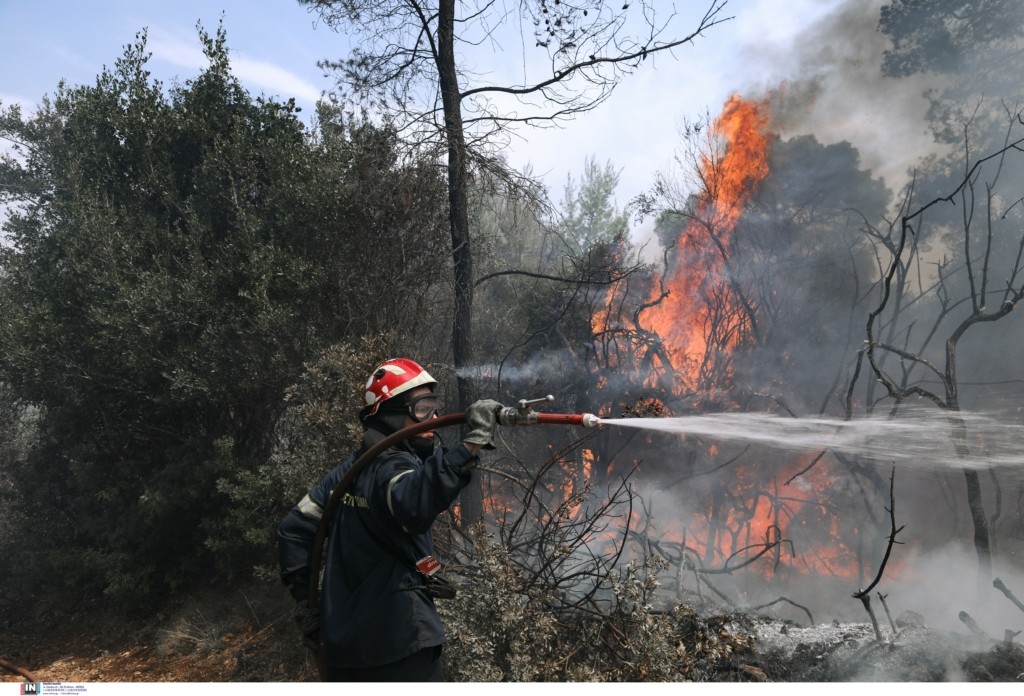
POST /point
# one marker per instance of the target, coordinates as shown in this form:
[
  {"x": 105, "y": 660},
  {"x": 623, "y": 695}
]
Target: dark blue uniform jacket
[{"x": 374, "y": 607}]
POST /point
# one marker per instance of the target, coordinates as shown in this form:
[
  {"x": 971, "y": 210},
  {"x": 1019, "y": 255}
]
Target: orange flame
[
  {"x": 701, "y": 322},
  {"x": 683, "y": 317}
]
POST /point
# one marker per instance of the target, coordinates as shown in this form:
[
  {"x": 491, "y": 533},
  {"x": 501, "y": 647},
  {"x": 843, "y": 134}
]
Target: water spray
[{"x": 920, "y": 438}]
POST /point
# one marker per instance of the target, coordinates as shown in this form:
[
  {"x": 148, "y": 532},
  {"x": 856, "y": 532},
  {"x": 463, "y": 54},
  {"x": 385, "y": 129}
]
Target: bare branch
[{"x": 863, "y": 594}]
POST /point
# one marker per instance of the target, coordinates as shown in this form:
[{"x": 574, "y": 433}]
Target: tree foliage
[
  {"x": 972, "y": 50},
  {"x": 174, "y": 260}
]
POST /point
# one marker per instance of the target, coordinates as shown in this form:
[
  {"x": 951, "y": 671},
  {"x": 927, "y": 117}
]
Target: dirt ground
[{"x": 249, "y": 636}]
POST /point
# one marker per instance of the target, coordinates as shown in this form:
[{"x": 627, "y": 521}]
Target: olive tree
[{"x": 175, "y": 257}]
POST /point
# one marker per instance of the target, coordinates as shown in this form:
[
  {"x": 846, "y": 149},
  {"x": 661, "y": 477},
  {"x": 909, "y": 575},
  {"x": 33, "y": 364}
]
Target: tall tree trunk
[
  {"x": 975, "y": 502},
  {"x": 982, "y": 544},
  {"x": 462, "y": 257}
]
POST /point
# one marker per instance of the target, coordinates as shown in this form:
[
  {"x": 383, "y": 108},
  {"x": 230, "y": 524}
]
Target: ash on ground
[{"x": 852, "y": 652}]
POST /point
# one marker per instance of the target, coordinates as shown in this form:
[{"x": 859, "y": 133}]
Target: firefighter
[{"x": 377, "y": 618}]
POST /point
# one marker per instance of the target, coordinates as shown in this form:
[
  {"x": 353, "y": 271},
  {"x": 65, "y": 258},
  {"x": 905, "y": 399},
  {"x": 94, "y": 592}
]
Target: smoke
[
  {"x": 942, "y": 582},
  {"x": 832, "y": 86},
  {"x": 848, "y": 139},
  {"x": 536, "y": 371}
]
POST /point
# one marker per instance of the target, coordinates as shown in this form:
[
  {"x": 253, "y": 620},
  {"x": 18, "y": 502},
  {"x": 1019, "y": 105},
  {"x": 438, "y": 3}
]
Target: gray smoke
[
  {"x": 831, "y": 86},
  {"x": 538, "y": 370}
]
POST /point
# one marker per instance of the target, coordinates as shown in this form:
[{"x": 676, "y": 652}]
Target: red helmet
[{"x": 392, "y": 378}]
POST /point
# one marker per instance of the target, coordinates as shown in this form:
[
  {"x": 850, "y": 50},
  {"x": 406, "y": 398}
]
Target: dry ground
[
  {"x": 249, "y": 636},
  {"x": 246, "y": 636}
]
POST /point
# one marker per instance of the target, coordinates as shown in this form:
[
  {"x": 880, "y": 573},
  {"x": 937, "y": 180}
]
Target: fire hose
[
  {"x": 522, "y": 414},
  {"x": 20, "y": 671}
]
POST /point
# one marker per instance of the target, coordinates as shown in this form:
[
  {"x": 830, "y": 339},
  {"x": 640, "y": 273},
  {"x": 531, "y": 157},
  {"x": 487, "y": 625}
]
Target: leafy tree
[
  {"x": 971, "y": 49},
  {"x": 943, "y": 35},
  {"x": 803, "y": 263},
  {"x": 544, "y": 270},
  {"x": 318, "y": 428},
  {"x": 542, "y": 281},
  {"x": 174, "y": 260},
  {"x": 590, "y": 215}
]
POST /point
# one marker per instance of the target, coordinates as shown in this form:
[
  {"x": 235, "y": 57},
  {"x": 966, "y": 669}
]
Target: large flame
[
  {"x": 693, "y": 323},
  {"x": 695, "y": 311},
  {"x": 699, "y": 320}
]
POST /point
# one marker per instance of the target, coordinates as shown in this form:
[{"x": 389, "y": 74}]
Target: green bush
[
  {"x": 318, "y": 428},
  {"x": 505, "y": 626},
  {"x": 176, "y": 259}
]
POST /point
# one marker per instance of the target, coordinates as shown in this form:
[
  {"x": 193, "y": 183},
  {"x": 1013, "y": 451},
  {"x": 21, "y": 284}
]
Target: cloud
[
  {"x": 27, "y": 105},
  {"x": 176, "y": 51},
  {"x": 275, "y": 80},
  {"x": 262, "y": 76}
]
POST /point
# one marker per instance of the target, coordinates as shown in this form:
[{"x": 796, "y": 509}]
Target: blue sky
[{"x": 275, "y": 47}]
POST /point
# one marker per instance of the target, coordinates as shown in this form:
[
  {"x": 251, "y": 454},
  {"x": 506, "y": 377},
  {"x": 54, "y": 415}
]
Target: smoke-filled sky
[{"x": 825, "y": 49}]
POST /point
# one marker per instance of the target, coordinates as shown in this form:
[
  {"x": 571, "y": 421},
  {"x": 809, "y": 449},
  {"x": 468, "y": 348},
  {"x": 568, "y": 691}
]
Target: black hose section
[{"x": 317, "y": 555}]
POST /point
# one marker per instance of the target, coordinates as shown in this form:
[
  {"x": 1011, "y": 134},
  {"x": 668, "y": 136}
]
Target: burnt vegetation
[{"x": 195, "y": 282}]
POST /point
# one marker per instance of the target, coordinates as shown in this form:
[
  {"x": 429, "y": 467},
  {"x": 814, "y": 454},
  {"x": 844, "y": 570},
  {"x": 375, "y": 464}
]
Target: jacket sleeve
[
  {"x": 416, "y": 495},
  {"x": 295, "y": 535}
]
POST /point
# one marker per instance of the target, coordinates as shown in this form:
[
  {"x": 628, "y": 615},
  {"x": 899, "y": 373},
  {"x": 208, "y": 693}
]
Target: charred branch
[
  {"x": 888, "y": 615},
  {"x": 866, "y": 601},
  {"x": 807, "y": 468},
  {"x": 603, "y": 276},
  {"x": 862, "y": 594},
  {"x": 768, "y": 545},
  {"x": 968, "y": 621},
  {"x": 1001, "y": 586},
  {"x": 810, "y": 617}
]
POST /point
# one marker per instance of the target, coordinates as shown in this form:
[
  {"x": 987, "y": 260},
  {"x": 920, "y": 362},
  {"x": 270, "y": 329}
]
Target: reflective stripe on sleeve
[
  {"x": 310, "y": 509},
  {"x": 391, "y": 486}
]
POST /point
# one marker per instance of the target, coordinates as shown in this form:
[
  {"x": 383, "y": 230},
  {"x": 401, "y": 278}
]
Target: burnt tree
[{"x": 978, "y": 279}]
